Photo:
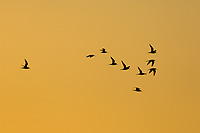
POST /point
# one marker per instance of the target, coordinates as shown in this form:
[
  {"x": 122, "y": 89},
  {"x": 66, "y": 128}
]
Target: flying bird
[
  {"x": 137, "y": 89},
  {"x": 152, "y": 61},
  {"x": 90, "y": 56},
  {"x": 153, "y": 70},
  {"x": 140, "y": 72},
  {"x": 26, "y": 65},
  {"x": 125, "y": 67},
  {"x": 153, "y": 51},
  {"x": 113, "y": 61},
  {"x": 103, "y": 50}
]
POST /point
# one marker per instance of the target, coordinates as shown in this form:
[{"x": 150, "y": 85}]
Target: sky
[{"x": 65, "y": 92}]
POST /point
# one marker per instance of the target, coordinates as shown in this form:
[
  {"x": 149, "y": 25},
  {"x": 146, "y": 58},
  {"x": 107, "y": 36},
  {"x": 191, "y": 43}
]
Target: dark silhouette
[
  {"x": 152, "y": 61},
  {"x": 153, "y": 70},
  {"x": 140, "y": 72},
  {"x": 153, "y": 51},
  {"x": 137, "y": 89},
  {"x": 113, "y": 61},
  {"x": 90, "y": 56},
  {"x": 26, "y": 65},
  {"x": 125, "y": 67},
  {"x": 103, "y": 50}
]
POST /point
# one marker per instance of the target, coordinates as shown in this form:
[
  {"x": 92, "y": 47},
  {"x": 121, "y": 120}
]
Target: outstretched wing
[
  {"x": 26, "y": 62},
  {"x": 113, "y": 60},
  {"x": 152, "y": 49},
  {"x": 140, "y": 70},
  {"x": 124, "y": 64}
]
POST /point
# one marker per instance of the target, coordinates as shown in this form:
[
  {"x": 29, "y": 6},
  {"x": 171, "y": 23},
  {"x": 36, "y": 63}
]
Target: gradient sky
[{"x": 64, "y": 92}]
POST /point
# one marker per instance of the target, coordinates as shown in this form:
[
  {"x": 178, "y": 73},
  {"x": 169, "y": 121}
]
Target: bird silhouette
[
  {"x": 90, "y": 56},
  {"x": 26, "y": 65},
  {"x": 137, "y": 89},
  {"x": 152, "y": 61},
  {"x": 153, "y": 70},
  {"x": 140, "y": 72},
  {"x": 153, "y": 51},
  {"x": 103, "y": 50},
  {"x": 125, "y": 67},
  {"x": 113, "y": 61}
]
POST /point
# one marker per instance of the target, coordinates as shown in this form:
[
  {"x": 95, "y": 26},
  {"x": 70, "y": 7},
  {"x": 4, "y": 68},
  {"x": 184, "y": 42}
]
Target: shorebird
[
  {"x": 137, "y": 89},
  {"x": 153, "y": 51},
  {"x": 103, "y": 50},
  {"x": 113, "y": 61},
  {"x": 153, "y": 70},
  {"x": 26, "y": 65},
  {"x": 90, "y": 55},
  {"x": 141, "y": 73},
  {"x": 125, "y": 67},
  {"x": 152, "y": 61}
]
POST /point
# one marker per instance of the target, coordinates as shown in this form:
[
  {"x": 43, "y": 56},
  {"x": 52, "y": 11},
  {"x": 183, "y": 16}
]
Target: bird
[
  {"x": 103, "y": 50},
  {"x": 153, "y": 51},
  {"x": 137, "y": 89},
  {"x": 26, "y": 65},
  {"x": 125, "y": 67},
  {"x": 113, "y": 61},
  {"x": 153, "y": 70},
  {"x": 140, "y": 73},
  {"x": 152, "y": 61},
  {"x": 90, "y": 56}
]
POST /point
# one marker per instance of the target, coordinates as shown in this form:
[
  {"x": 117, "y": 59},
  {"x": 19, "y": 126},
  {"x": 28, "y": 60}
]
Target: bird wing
[
  {"x": 151, "y": 47},
  {"x": 124, "y": 64},
  {"x": 140, "y": 70},
  {"x": 26, "y": 62},
  {"x": 113, "y": 60}
]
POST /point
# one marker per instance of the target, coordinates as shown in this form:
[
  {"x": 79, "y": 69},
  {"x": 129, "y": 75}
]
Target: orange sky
[{"x": 64, "y": 92}]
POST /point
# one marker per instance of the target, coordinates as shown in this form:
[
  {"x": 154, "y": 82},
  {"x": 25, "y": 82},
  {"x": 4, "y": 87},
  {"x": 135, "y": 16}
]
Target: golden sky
[{"x": 64, "y": 92}]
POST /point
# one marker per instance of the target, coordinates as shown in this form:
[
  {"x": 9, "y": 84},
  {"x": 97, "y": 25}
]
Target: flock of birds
[{"x": 125, "y": 67}]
